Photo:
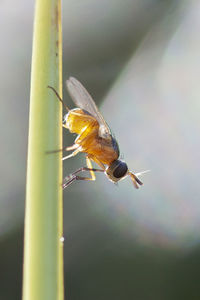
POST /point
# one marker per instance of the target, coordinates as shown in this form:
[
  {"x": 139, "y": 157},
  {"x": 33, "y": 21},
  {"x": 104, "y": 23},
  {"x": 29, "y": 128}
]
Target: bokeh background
[{"x": 140, "y": 61}]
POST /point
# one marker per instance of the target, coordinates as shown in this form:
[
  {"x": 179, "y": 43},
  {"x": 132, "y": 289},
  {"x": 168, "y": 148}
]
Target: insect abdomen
[{"x": 78, "y": 120}]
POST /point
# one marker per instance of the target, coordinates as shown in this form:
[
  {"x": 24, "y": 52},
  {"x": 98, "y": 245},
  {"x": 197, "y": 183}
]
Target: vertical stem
[{"x": 43, "y": 251}]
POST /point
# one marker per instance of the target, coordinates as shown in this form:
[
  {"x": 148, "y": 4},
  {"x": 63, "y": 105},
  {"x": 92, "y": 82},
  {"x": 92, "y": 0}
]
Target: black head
[{"x": 117, "y": 170}]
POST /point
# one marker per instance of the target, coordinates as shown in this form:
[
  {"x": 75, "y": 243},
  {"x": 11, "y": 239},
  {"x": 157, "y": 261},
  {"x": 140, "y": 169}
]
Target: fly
[{"x": 94, "y": 138}]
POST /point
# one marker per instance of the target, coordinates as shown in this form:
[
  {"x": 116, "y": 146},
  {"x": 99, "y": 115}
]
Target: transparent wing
[{"x": 83, "y": 100}]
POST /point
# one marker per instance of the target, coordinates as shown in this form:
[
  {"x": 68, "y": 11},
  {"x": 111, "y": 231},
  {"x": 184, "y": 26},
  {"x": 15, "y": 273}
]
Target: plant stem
[{"x": 43, "y": 249}]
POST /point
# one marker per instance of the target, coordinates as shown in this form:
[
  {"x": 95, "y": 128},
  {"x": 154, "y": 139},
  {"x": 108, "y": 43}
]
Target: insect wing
[{"x": 83, "y": 100}]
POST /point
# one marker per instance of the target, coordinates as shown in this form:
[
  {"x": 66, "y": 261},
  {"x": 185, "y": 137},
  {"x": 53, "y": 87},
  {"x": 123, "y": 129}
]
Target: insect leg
[
  {"x": 74, "y": 178},
  {"x": 72, "y": 154},
  {"x": 71, "y": 178},
  {"x": 73, "y": 147},
  {"x": 98, "y": 162},
  {"x": 89, "y": 164},
  {"x": 59, "y": 98}
]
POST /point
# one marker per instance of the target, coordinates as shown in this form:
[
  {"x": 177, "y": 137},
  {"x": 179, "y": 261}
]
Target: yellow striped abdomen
[{"x": 77, "y": 121}]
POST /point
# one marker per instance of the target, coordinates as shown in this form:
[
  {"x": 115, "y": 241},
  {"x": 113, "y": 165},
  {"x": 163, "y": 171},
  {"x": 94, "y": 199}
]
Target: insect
[{"x": 94, "y": 138}]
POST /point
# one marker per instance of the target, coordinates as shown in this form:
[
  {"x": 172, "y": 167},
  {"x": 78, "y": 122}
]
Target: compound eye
[{"x": 120, "y": 170}]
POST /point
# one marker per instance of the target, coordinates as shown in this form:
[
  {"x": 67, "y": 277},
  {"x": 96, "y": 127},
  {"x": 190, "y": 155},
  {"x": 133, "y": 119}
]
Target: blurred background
[{"x": 139, "y": 59}]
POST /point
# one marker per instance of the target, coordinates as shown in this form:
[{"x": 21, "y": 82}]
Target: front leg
[{"x": 73, "y": 177}]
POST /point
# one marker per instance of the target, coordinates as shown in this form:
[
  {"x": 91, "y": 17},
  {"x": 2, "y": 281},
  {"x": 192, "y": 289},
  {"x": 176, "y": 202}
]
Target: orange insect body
[
  {"x": 94, "y": 138},
  {"x": 98, "y": 149}
]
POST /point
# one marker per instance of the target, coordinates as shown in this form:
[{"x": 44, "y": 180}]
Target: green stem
[{"x": 43, "y": 250}]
